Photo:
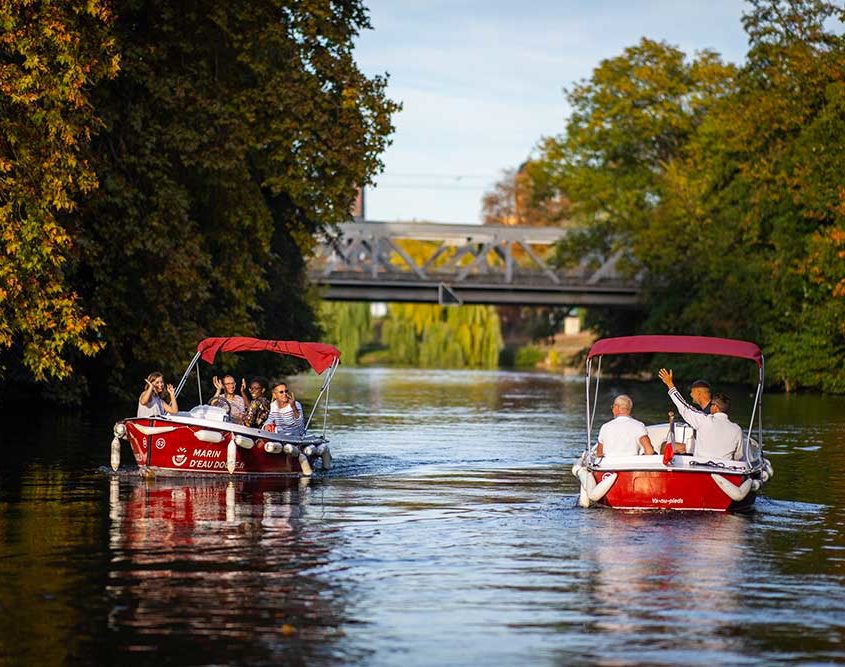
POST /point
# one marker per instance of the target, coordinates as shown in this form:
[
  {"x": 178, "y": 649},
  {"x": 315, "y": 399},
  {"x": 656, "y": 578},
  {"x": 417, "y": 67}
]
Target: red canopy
[
  {"x": 679, "y": 345},
  {"x": 319, "y": 355}
]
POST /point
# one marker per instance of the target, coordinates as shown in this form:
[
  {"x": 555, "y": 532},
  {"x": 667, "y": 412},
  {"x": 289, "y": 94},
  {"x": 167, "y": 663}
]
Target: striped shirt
[{"x": 285, "y": 422}]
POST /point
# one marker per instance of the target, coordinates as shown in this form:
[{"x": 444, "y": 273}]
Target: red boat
[
  {"x": 673, "y": 481},
  {"x": 203, "y": 440}
]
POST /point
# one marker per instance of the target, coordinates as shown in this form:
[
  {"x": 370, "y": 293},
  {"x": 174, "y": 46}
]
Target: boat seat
[
  {"x": 211, "y": 412},
  {"x": 658, "y": 434}
]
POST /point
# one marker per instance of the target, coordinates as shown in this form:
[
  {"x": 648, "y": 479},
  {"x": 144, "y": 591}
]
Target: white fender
[
  {"x": 115, "y": 454},
  {"x": 154, "y": 430},
  {"x": 599, "y": 490},
  {"x": 231, "y": 456},
  {"x": 120, "y": 430},
  {"x": 243, "y": 441},
  {"x": 756, "y": 484},
  {"x": 290, "y": 449},
  {"x": 309, "y": 450},
  {"x": 273, "y": 447},
  {"x": 587, "y": 485},
  {"x": 212, "y": 437},
  {"x": 732, "y": 491},
  {"x": 768, "y": 470},
  {"x": 306, "y": 467}
]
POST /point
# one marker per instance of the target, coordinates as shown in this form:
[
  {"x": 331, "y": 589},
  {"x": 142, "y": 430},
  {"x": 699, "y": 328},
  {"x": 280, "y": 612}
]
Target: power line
[{"x": 427, "y": 187}]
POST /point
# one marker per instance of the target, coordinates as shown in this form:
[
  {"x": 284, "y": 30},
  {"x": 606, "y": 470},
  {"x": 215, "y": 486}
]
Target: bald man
[{"x": 623, "y": 435}]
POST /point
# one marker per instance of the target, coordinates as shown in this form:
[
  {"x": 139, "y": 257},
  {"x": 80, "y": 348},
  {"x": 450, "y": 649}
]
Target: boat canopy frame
[
  {"x": 321, "y": 357},
  {"x": 666, "y": 344}
]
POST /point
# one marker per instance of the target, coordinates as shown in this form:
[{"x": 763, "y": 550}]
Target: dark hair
[
  {"x": 722, "y": 401},
  {"x": 703, "y": 384},
  {"x": 260, "y": 379}
]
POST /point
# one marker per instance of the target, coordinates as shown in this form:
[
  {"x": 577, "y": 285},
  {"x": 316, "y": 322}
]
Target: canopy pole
[
  {"x": 760, "y": 399},
  {"x": 323, "y": 390},
  {"x": 187, "y": 372},
  {"x": 592, "y": 416},
  {"x": 199, "y": 386}
]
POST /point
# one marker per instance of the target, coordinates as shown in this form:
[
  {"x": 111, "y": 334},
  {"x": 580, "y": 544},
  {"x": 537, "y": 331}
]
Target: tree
[
  {"x": 51, "y": 54},
  {"x": 348, "y": 326},
  {"x": 789, "y": 153},
  {"x": 434, "y": 336},
  {"x": 721, "y": 187},
  {"x": 235, "y": 133},
  {"x": 523, "y": 197},
  {"x": 629, "y": 129}
]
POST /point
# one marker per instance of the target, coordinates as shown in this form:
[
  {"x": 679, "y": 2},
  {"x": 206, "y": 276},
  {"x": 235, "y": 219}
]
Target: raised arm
[
  {"x": 147, "y": 394},
  {"x": 692, "y": 417}
]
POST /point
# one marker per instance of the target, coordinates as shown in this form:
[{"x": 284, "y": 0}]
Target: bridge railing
[{"x": 411, "y": 256}]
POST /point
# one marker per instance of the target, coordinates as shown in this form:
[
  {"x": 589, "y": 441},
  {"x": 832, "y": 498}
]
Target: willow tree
[
  {"x": 51, "y": 54},
  {"x": 235, "y": 132},
  {"x": 434, "y": 336},
  {"x": 346, "y": 325}
]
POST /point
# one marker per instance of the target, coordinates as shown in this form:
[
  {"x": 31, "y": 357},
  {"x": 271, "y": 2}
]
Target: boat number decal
[
  {"x": 180, "y": 458},
  {"x": 159, "y": 443},
  {"x": 667, "y": 501}
]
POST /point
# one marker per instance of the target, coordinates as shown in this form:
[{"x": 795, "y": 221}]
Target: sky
[{"x": 482, "y": 82}]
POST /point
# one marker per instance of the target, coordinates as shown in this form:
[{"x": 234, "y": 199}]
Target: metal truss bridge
[{"x": 472, "y": 264}]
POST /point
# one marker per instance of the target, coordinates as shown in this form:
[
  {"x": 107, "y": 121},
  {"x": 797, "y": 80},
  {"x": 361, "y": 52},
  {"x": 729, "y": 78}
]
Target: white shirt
[
  {"x": 621, "y": 436},
  {"x": 155, "y": 408},
  {"x": 717, "y": 437}
]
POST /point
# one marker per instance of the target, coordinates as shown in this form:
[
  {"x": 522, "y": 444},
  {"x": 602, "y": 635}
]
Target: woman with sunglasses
[{"x": 285, "y": 412}]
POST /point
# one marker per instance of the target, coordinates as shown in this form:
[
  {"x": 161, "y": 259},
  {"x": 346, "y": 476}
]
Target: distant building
[{"x": 358, "y": 210}]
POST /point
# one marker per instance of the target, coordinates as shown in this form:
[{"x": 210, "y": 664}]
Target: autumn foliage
[
  {"x": 164, "y": 167},
  {"x": 721, "y": 187}
]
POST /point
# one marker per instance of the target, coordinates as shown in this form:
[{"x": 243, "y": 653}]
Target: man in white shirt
[
  {"x": 717, "y": 437},
  {"x": 623, "y": 435}
]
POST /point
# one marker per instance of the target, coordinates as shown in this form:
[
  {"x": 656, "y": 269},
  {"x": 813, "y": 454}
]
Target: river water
[{"x": 447, "y": 533}]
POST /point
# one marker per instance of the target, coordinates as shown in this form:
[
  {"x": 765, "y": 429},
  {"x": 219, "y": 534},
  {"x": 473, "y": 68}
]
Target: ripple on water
[{"x": 446, "y": 533}]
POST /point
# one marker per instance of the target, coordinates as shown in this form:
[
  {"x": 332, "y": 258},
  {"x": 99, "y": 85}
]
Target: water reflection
[
  {"x": 647, "y": 570},
  {"x": 446, "y": 533},
  {"x": 229, "y": 562}
]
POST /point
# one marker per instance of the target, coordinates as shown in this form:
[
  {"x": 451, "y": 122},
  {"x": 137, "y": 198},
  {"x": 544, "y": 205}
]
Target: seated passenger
[
  {"x": 225, "y": 390},
  {"x": 716, "y": 436},
  {"x": 155, "y": 400},
  {"x": 258, "y": 407},
  {"x": 623, "y": 435},
  {"x": 285, "y": 412}
]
